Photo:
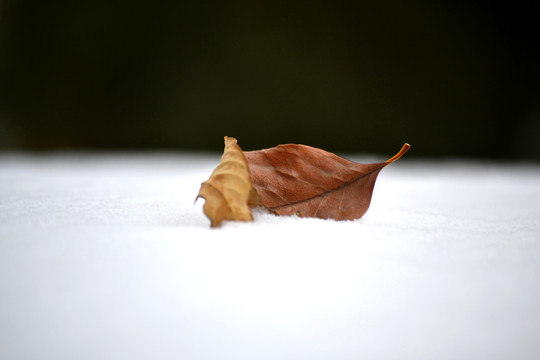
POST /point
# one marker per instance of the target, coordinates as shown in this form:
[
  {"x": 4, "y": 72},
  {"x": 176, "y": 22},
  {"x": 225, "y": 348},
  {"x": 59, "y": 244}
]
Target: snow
[{"x": 106, "y": 256}]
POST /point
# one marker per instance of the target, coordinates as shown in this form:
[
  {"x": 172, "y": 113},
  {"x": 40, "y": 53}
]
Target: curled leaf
[
  {"x": 310, "y": 182},
  {"x": 228, "y": 191}
]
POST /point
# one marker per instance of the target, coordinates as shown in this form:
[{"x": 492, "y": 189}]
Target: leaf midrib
[{"x": 331, "y": 190}]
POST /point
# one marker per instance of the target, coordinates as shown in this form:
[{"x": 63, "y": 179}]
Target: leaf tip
[{"x": 230, "y": 140}]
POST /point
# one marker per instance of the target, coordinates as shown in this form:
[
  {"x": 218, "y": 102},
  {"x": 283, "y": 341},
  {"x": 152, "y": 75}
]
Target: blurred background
[{"x": 452, "y": 79}]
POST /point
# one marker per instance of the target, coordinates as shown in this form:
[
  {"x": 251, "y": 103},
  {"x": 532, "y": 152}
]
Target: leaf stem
[{"x": 401, "y": 152}]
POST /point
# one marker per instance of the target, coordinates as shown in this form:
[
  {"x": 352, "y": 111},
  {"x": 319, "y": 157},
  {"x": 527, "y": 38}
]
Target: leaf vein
[{"x": 329, "y": 191}]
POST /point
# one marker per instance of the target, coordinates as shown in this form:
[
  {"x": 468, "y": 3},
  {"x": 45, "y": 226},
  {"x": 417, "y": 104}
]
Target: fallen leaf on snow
[
  {"x": 310, "y": 182},
  {"x": 289, "y": 179},
  {"x": 228, "y": 191}
]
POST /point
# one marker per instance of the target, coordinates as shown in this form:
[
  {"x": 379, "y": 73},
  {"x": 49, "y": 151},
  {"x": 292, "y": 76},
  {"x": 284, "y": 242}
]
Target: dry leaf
[
  {"x": 228, "y": 191},
  {"x": 310, "y": 182}
]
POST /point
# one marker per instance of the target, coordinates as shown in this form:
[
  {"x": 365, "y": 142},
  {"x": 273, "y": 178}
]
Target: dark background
[{"x": 347, "y": 76}]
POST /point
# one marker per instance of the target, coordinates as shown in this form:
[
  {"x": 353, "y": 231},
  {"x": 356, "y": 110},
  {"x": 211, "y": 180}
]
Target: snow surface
[{"x": 106, "y": 256}]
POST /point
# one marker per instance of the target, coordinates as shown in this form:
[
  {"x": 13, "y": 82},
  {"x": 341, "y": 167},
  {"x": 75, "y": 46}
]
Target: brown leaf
[
  {"x": 310, "y": 182},
  {"x": 228, "y": 191}
]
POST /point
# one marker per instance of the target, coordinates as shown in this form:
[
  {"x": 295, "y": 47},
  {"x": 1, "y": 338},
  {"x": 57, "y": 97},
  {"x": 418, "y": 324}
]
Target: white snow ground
[{"x": 105, "y": 256}]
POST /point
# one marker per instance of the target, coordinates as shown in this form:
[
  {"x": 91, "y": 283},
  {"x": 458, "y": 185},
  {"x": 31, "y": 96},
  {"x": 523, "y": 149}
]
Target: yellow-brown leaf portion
[{"x": 228, "y": 191}]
